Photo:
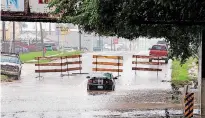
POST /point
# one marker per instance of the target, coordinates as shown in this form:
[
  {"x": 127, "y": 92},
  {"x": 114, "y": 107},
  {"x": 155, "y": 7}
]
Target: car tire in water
[
  {"x": 89, "y": 88},
  {"x": 112, "y": 88},
  {"x": 166, "y": 61},
  {"x": 17, "y": 77}
]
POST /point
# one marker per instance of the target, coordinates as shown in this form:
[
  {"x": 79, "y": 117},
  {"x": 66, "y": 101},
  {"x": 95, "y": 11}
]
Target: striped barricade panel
[
  {"x": 117, "y": 64},
  {"x": 189, "y": 105}
]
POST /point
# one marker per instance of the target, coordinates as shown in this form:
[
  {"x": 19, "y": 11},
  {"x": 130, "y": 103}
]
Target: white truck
[{"x": 11, "y": 65}]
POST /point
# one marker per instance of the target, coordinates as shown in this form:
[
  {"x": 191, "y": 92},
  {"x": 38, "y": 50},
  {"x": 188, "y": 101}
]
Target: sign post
[{"x": 115, "y": 42}]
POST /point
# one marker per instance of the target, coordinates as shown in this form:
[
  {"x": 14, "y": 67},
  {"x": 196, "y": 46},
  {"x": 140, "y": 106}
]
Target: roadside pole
[
  {"x": 13, "y": 42},
  {"x": 3, "y": 30},
  {"x": 42, "y": 43},
  {"x": 203, "y": 75},
  {"x": 111, "y": 43},
  {"x": 50, "y": 28},
  {"x": 79, "y": 37},
  {"x": 99, "y": 43},
  {"x": 114, "y": 47},
  {"x": 36, "y": 32}
]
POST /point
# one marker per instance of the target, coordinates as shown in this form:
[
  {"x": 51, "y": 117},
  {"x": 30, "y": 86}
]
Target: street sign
[
  {"x": 62, "y": 29},
  {"x": 115, "y": 41}
]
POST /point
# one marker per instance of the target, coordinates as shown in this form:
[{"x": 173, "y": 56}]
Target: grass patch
[
  {"x": 180, "y": 74},
  {"x": 31, "y": 55},
  {"x": 5, "y": 78},
  {"x": 49, "y": 54}
]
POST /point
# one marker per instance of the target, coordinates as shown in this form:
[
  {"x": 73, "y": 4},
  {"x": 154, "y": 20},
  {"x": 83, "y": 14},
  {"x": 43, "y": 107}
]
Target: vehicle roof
[
  {"x": 159, "y": 45},
  {"x": 10, "y": 55},
  {"x": 161, "y": 41},
  {"x": 100, "y": 74}
]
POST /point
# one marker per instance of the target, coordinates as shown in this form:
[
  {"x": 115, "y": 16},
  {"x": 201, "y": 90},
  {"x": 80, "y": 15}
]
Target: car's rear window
[{"x": 158, "y": 47}]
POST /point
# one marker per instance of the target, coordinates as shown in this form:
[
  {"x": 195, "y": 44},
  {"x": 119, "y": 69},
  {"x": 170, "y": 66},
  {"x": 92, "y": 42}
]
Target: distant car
[
  {"x": 160, "y": 52},
  {"x": 101, "y": 81},
  {"x": 11, "y": 65},
  {"x": 163, "y": 43},
  {"x": 49, "y": 48},
  {"x": 84, "y": 49},
  {"x": 19, "y": 50},
  {"x": 68, "y": 49}
]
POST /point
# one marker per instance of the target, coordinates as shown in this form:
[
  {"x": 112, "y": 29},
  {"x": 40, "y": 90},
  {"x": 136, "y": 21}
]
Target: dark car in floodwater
[{"x": 101, "y": 81}]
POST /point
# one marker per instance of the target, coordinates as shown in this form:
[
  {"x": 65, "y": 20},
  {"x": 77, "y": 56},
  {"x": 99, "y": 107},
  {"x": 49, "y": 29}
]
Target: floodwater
[{"x": 137, "y": 94}]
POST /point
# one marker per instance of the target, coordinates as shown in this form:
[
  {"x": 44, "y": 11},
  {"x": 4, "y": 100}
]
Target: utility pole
[
  {"x": 79, "y": 37},
  {"x": 42, "y": 43},
  {"x": 3, "y": 30},
  {"x": 99, "y": 43},
  {"x": 36, "y": 32},
  {"x": 111, "y": 44},
  {"x": 49, "y": 28},
  {"x": 202, "y": 74},
  {"x": 13, "y": 37}
]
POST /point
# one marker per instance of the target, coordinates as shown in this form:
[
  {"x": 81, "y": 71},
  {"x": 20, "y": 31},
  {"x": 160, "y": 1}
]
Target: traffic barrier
[
  {"x": 118, "y": 64},
  {"x": 61, "y": 64},
  {"x": 189, "y": 105},
  {"x": 136, "y": 62}
]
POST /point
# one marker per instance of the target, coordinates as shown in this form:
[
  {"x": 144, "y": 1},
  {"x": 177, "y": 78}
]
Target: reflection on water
[{"x": 97, "y": 92}]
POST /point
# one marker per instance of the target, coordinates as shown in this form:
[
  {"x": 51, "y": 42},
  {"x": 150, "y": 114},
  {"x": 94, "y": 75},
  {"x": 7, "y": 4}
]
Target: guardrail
[
  {"x": 61, "y": 64},
  {"x": 118, "y": 64},
  {"x": 136, "y": 62}
]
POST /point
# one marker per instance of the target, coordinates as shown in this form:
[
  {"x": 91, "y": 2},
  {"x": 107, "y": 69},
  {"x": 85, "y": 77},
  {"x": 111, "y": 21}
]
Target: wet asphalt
[{"x": 140, "y": 94}]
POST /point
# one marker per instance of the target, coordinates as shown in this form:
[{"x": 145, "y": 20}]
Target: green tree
[{"x": 133, "y": 18}]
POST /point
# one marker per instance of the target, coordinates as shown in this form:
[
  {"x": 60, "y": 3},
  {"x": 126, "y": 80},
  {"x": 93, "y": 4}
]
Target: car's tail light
[
  {"x": 105, "y": 82},
  {"x": 90, "y": 81},
  {"x": 110, "y": 82}
]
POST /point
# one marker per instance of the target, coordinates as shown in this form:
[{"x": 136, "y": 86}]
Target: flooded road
[{"x": 56, "y": 97}]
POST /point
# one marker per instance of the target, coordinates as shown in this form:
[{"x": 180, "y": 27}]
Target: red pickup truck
[{"x": 159, "y": 52}]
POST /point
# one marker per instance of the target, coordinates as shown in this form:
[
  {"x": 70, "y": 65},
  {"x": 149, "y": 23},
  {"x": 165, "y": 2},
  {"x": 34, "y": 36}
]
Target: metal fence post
[
  {"x": 96, "y": 63},
  {"x": 157, "y": 67},
  {"x": 61, "y": 67},
  {"x": 80, "y": 64},
  {"x": 136, "y": 66},
  {"x": 39, "y": 69},
  {"x": 118, "y": 66},
  {"x": 67, "y": 64}
]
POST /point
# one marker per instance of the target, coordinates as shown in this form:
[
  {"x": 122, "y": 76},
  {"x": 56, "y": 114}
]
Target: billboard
[
  {"x": 12, "y": 5},
  {"x": 43, "y": 1},
  {"x": 39, "y": 6}
]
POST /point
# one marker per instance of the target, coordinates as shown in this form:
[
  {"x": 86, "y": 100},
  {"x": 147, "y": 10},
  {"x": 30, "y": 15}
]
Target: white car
[
  {"x": 11, "y": 65},
  {"x": 68, "y": 49}
]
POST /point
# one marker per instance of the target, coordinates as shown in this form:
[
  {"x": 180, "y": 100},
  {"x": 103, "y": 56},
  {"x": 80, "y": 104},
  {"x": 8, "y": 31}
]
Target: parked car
[
  {"x": 19, "y": 49},
  {"x": 160, "y": 52},
  {"x": 54, "y": 47},
  {"x": 68, "y": 49},
  {"x": 101, "y": 81},
  {"x": 84, "y": 49},
  {"x": 49, "y": 48},
  {"x": 11, "y": 64},
  {"x": 162, "y": 42}
]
